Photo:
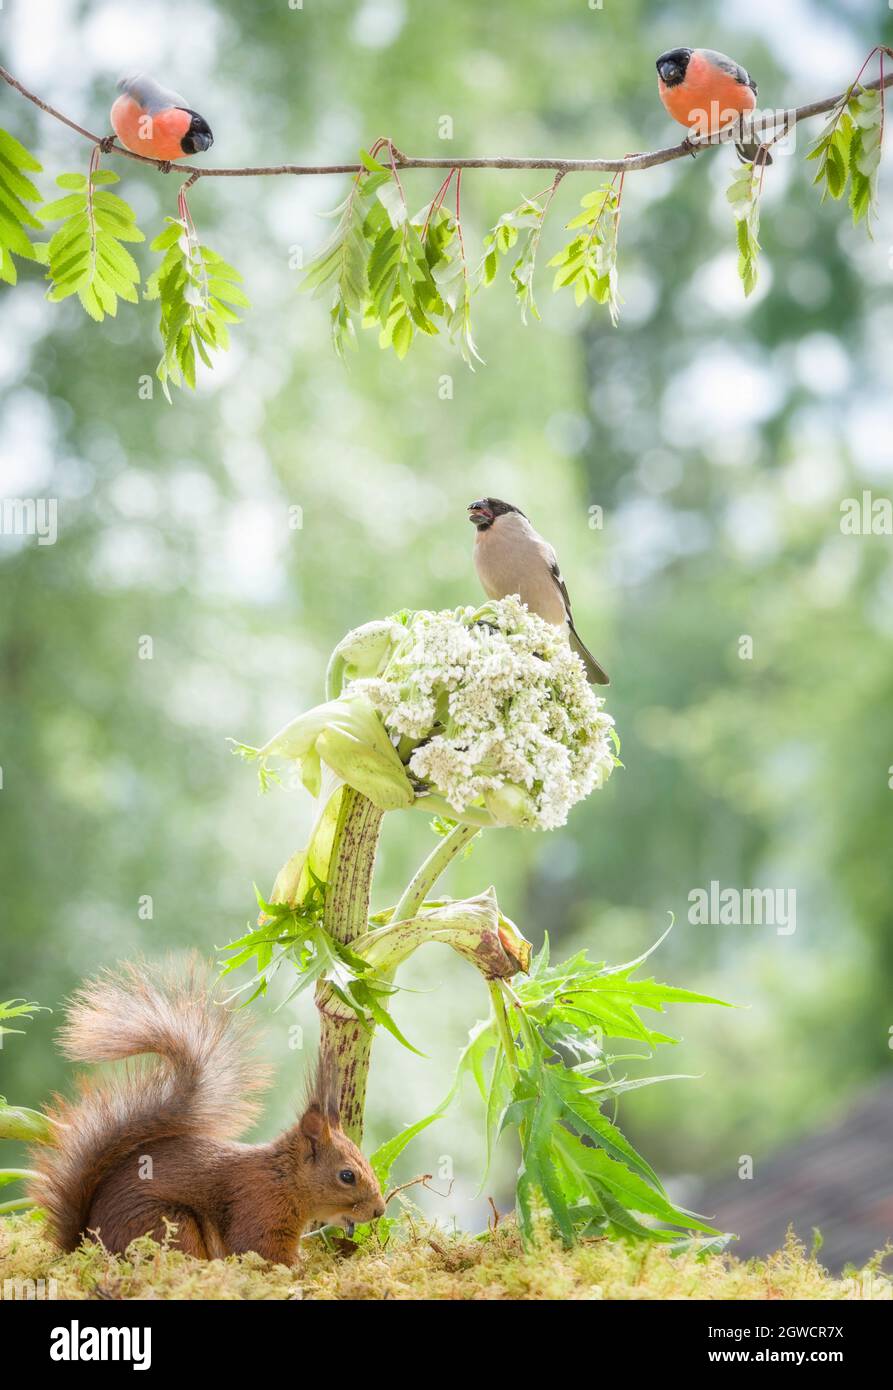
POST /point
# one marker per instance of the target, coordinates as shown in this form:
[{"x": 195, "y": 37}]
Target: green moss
[{"x": 427, "y": 1264}]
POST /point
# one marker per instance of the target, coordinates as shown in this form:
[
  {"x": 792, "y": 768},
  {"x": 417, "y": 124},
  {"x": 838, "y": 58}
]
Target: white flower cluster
[{"x": 499, "y": 711}]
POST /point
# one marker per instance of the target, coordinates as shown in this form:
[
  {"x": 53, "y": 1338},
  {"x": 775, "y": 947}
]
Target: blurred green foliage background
[{"x": 718, "y": 436}]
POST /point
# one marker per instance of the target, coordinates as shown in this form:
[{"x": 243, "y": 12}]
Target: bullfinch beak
[
  {"x": 512, "y": 558},
  {"x": 480, "y": 514},
  {"x": 152, "y": 120},
  {"x": 706, "y": 91},
  {"x": 670, "y": 72}
]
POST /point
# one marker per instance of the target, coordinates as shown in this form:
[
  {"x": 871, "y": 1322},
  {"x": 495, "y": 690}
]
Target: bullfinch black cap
[
  {"x": 198, "y": 137},
  {"x": 673, "y": 65}
]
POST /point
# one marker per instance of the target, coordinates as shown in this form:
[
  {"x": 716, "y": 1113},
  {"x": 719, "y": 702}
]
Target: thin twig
[
  {"x": 630, "y": 164},
  {"x": 423, "y": 1178}
]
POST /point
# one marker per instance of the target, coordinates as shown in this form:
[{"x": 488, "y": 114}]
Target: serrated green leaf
[
  {"x": 386, "y": 1155},
  {"x": 91, "y": 302},
  {"x": 63, "y": 207},
  {"x": 18, "y": 184},
  {"x": 391, "y": 199},
  {"x": 16, "y": 191},
  {"x": 16, "y": 153},
  {"x": 371, "y": 164},
  {"x": 120, "y": 228},
  {"x": 229, "y": 293},
  {"x": 12, "y": 235}
]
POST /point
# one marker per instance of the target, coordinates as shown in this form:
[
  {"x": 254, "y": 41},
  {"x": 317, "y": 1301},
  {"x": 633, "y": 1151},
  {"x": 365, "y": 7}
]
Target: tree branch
[{"x": 630, "y": 164}]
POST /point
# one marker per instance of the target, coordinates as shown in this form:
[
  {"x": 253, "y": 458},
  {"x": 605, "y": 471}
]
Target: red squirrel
[{"x": 156, "y": 1141}]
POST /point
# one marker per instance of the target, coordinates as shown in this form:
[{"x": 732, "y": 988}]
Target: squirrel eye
[{"x": 347, "y": 1175}]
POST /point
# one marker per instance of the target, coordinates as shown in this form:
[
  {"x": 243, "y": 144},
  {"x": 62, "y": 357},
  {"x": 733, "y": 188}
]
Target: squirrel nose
[{"x": 379, "y": 1208}]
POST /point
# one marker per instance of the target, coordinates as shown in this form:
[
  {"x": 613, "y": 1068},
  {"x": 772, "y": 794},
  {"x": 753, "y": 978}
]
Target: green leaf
[
  {"x": 85, "y": 255},
  {"x": 372, "y": 164},
  {"x": 524, "y": 222},
  {"x": 849, "y": 154},
  {"x": 538, "y": 1159},
  {"x": 744, "y": 195},
  {"x": 194, "y": 287},
  {"x": 16, "y": 191},
  {"x": 19, "y": 1009},
  {"x": 386, "y": 1155},
  {"x": 168, "y": 238},
  {"x": 13, "y": 236},
  {"x": 382, "y": 269},
  {"x": 63, "y": 207},
  {"x": 16, "y": 187},
  {"x": 18, "y": 1122},
  {"x": 17, "y": 155},
  {"x": 391, "y": 198},
  {"x": 368, "y": 999},
  {"x": 588, "y": 263},
  {"x": 586, "y": 1117},
  {"x": 401, "y": 335},
  {"x": 865, "y": 112},
  {"x": 633, "y": 1192},
  {"x": 577, "y": 1165}
]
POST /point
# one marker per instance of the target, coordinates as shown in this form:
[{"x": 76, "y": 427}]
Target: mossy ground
[{"x": 424, "y": 1264}]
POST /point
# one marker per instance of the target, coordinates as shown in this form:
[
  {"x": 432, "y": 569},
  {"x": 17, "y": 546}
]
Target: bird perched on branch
[
  {"x": 706, "y": 91},
  {"x": 152, "y": 120},
  {"x": 512, "y": 558}
]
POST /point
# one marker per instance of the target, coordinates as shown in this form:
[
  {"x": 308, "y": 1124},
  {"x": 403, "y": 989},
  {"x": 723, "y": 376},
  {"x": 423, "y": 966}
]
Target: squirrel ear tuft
[{"x": 325, "y": 1092}]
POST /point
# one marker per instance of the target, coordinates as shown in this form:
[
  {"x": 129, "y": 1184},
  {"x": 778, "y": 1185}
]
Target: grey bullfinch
[{"x": 512, "y": 558}]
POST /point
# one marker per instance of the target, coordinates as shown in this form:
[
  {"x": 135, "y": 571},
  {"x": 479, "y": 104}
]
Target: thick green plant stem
[
  {"x": 351, "y": 866},
  {"x": 507, "y": 1038},
  {"x": 428, "y": 873},
  {"x": 497, "y": 999},
  {"x": 472, "y": 926}
]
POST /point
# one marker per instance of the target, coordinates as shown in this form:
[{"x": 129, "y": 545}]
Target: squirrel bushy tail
[{"x": 199, "y": 1084}]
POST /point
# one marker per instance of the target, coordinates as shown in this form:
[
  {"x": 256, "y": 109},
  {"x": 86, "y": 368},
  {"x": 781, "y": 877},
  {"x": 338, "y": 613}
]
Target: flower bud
[{"x": 363, "y": 652}]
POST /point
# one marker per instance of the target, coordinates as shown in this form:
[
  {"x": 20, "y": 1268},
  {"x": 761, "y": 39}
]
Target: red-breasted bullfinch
[
  {"x": 511, "y": 558},
  {"x": 706, "y": 91},
  {"x": 152, "y": 120}
]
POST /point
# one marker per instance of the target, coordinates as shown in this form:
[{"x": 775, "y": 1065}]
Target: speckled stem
[{"x": 351, "y": 866}]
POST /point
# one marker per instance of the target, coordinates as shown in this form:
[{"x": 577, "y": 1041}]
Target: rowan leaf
[
  {"x": 588, "y": 263},
  {"x": 85, "y": 256},
  {"x": 191, "y": 285},
  {"x": 16, "y": 192}
]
